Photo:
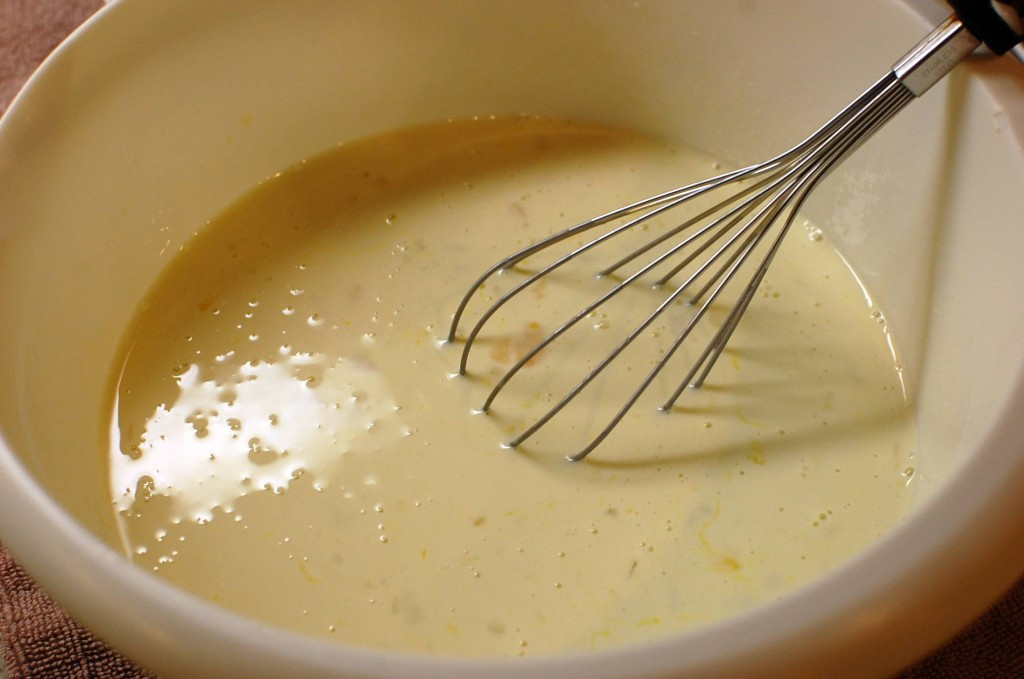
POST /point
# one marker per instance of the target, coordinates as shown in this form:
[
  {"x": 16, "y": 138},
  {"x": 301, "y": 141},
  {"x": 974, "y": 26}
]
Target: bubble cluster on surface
[{"x": 269, "y": 424}]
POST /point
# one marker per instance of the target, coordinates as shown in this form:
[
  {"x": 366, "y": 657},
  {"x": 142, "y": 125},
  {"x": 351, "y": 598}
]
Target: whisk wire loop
[
  {"x": 884, "y": 105},
  {"x": 734, "y": 216},
  {"x": 726, "y": 235}
]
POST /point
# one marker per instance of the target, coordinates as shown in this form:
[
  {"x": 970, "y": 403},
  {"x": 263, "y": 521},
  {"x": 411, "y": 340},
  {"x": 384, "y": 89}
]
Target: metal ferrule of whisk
[{"x": 759, "y": 205}]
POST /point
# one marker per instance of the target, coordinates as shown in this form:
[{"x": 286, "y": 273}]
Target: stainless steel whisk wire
[{"x": 778, "y": 190}]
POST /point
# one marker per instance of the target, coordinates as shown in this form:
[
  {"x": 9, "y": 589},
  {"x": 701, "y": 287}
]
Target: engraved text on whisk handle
[{"x": 935, "y": 56}]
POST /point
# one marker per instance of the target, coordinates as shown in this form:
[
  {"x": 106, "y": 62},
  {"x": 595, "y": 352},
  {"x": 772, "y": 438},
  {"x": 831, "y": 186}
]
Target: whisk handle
[
  {"x": 997, "y": 24},
  {"x": 935, "y": 56}
]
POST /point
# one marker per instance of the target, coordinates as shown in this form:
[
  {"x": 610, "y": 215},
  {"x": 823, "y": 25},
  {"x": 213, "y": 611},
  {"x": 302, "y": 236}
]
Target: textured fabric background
[{"x": 39, "y": 640}]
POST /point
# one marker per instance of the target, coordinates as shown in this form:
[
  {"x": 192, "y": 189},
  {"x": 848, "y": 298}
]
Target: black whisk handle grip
[{"x": 997, "y": 23}]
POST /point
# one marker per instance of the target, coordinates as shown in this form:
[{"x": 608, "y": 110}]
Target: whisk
[{"x": 713, "y": 245}]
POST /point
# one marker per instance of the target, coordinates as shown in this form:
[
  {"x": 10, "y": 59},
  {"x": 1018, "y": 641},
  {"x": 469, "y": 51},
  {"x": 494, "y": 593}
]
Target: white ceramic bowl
[{"x": 154, "y": 116}]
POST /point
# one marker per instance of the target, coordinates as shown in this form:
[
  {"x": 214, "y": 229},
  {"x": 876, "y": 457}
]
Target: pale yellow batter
[{"x": 287, "y": 438}]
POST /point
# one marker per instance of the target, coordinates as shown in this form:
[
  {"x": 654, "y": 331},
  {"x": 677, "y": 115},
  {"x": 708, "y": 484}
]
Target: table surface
[{"x": 991, "y": 647}]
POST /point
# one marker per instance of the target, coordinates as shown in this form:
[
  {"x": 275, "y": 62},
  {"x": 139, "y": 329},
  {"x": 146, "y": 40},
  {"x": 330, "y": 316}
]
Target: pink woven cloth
[{"x": 39, "y": 640}]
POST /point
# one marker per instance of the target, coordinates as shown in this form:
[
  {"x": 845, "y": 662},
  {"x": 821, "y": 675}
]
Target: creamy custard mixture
[{"x": 287, "y": 438}]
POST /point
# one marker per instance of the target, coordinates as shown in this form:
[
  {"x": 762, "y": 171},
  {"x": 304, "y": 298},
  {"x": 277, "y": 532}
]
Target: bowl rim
[{"x": 92, "y": 579}]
